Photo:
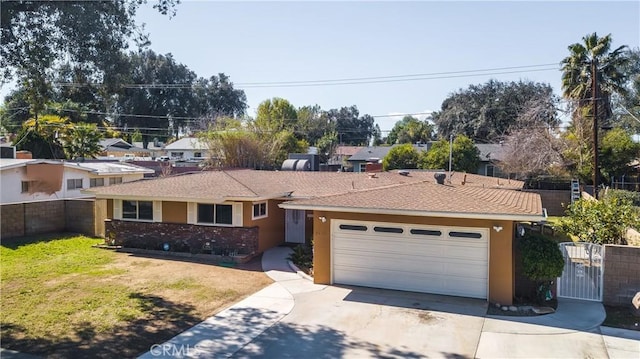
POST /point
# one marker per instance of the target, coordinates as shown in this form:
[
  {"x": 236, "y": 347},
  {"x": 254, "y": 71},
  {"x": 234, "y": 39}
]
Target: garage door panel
[{"x": 413, "y": 260}]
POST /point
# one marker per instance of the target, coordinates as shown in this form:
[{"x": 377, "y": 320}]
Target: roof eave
[{"x": 470, "y": 215}]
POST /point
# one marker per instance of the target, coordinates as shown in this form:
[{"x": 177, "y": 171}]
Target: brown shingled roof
[
  {"x": 415, "y": 191},
  {"x": 428, "y": 198}
]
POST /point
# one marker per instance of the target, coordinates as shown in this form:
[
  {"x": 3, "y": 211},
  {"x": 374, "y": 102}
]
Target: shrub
[
  {"x": 302, "y": 257},
  {"x": 542, "y": 261},
  {"x": 625, "y": 196},
  {"x": 603, "y": 222}
]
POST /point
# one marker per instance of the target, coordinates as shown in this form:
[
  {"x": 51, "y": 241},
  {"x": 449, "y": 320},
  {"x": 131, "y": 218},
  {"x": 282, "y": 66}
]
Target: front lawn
[{"x": 60, "y": 297}]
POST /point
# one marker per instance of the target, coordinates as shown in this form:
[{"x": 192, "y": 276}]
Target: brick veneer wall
[
  {"x": 553, "y": 200},
  {"x": 181, "y": 237},
  {"x": 11, "y": 220},
  {"x": 621, "y": 274}
]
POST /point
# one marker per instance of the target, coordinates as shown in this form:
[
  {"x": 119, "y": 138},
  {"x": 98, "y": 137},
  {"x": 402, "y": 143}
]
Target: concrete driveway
[
  {"x": 355, "y": 322},
  {"x": 294, "y": 318}
]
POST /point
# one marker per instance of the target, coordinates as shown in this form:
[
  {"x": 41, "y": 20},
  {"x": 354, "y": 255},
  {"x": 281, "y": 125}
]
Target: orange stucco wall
[
  {"x": 271, "y": 232},
  {"x": 174, "y": 212},
  {"x": 501, "y": 273}
]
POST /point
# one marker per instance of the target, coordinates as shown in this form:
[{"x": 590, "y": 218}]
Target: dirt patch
[{"x": 166, "y": 296}]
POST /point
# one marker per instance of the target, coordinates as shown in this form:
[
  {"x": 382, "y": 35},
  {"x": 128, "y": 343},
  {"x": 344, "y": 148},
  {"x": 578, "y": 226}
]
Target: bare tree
[{"x": 533, "y": 150}]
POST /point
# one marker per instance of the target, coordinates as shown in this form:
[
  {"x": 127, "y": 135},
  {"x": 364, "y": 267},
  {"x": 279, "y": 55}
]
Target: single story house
[
  {"x": 187, "y": 148},
  {"x": 27, "y": 180},
  {"x": 489, "y": 154},
  {"x": 119, "y": 148},
  {"x": 398, "y": 230}
]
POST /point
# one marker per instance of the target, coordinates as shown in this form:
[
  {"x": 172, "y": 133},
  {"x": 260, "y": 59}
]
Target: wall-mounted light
[
  {"x": 497, "y": 228},
  {"x": 322, "y": 219}
]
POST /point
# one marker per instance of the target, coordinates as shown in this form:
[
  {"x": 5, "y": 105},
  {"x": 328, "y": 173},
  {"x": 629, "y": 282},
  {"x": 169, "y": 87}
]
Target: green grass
[{"x": 50, "y": 286}]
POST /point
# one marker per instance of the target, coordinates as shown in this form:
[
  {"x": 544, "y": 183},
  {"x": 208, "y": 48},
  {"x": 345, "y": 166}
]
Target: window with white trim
[
  {"x": 115, "y": 180},
  {"x": 137, "y": 210},
  {"x": 259, "y": 210},
  {"x": 215, "y": 214},
  {"x": 363, "y": 167},
  {"x": 74, "y": 183},
  {"x": 96, "y": 182}
]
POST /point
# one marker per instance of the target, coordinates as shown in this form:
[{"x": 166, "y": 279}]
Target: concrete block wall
[
  {"x": 621, "y": 274},
  {"x": 79, "y": 216},
  {"x": 12, "y": 220},
  {"x": 44, "y": 217},
  {"x": 25, "y": 219},
  {"x": 181, "y": 237},
  {"x": 553, "y": 200}
]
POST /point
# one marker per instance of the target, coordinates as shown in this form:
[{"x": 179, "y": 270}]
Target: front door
[{"x": 294, "y": 226}]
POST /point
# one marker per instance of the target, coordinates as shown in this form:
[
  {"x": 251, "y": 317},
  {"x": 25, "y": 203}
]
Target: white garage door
[{"x": 418, "y": 258}]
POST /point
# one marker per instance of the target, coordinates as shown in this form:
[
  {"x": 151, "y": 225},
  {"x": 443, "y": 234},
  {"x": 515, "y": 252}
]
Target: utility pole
[
  {"x": 450, "y": 152},
  {"x": 594, "y": 103}
]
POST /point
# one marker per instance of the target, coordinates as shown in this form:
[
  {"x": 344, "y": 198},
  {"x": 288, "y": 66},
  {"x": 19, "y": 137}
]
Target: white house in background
[
  {"x": 187, "y": 148},
  {"x": 27, "y": 180}
]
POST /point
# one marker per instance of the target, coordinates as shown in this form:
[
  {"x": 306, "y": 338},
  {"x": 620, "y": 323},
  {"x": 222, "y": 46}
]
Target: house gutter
[{"x": 405, "y": 212}]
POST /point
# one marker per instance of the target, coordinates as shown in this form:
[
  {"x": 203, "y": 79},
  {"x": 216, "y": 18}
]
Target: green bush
[
  {"x": 603, "y": 222},
  {"x": 624, "y": 196},
  {"x": 302, "y": 257},
  {"x": 542, "y": 261}
]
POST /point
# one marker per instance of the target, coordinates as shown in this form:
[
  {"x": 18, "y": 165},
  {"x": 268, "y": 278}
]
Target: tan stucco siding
[
  {"x": 174, "y": 212},
  {"x": 501, "y": 274}
]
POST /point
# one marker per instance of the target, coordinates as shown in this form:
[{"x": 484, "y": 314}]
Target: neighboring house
[
  {"x": 374, "y": 154},
  {"x": 389, "y": 230},
  {"x": 119, "y": 148},
  {"x": 339, "y": 159},
  {"x": 155, "y": 148},
  {"x": 27, "y": 180},
  {"x": 187, "y": 148},
  {"x": 490, "y": 155}
]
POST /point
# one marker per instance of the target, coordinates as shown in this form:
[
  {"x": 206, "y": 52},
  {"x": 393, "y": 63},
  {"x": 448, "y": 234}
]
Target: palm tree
[
  {"x": 83, "y": 141},
  {"x": 587, "y": 62},
  {"x": 609, "y": 68}
]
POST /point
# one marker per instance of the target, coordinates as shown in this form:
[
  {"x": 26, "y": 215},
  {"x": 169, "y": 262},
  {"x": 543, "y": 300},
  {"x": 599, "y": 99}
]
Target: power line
[{"x": 345, "y": 81}]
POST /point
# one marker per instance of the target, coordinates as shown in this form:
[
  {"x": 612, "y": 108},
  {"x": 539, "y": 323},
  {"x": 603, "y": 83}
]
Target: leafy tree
[
  {"x": 401, "y": 157},
  {"x": 43, "y": 137},
  {"x": 603, "y": 222},
  {"x": 410, "y": 130},
  {"x": 215, "y": 97},
  {"x": 542, "y": 260},
  {"x": 627, "y": 107},
  {"x": 35, "y": 36},
  {"x": 313, "y": 124},
  {"x": 465, "y": 155},
  {"x": 82, "y": 140},
  {"x": 617, "y": 151},
  {"x": 352, "y": 128},
  {"x": 327, "y": 145},
  {"x": 275, "y": 115},
  {"x": 487, "y": 112},
  {"x": 151, "y": 109}
]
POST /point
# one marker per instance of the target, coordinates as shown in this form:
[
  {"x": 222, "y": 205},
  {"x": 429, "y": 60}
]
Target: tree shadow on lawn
[{"x": 164, "y": 320}]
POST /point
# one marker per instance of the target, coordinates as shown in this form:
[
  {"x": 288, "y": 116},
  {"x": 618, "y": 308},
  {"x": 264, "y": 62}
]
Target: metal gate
[{"x": 582, "y": 274}]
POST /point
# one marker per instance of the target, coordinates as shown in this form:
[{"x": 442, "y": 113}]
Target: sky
[{"x": 446, "y": 42}]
